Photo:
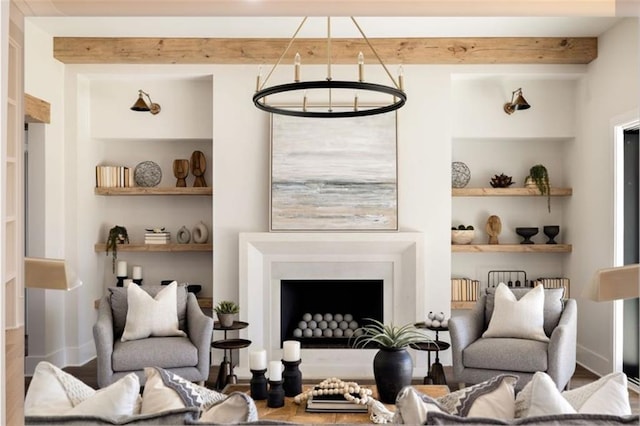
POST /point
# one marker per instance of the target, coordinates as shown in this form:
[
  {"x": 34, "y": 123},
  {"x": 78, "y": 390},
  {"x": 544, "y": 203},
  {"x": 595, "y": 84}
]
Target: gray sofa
[
  {"x": 189, "y": 357},
  {"x": 476, "y": 359}
]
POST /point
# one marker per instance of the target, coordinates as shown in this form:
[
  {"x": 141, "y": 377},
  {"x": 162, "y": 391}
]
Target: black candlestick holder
[
  {"x": 258, "y": 385},
  {"x": 120, "y": 282},
  {"x": 275, "y": 398},
  {"x": 138, "y": 281},
  {"x": 292, "y": 378}
]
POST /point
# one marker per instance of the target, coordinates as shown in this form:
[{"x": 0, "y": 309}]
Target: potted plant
[
  {"x": 225, "y": 311},
  {"x": 392, "y": 365},
  {"x": 539, "y": 176},
  {"x": 117, "y": 235}
]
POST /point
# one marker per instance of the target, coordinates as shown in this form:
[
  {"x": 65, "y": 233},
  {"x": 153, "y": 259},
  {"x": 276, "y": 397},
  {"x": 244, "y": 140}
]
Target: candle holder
[
  {"x": 258, "y": 385},
  {"x": 120, "y": 282},
  {"x": 292, "y": 378},
  {"x": 275, "y": 398},
  {"x": 138, "y": 281}
]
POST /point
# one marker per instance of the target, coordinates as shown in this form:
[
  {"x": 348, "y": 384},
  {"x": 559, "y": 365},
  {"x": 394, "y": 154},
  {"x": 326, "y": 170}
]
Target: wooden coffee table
[{"x": 292, "y": 412}]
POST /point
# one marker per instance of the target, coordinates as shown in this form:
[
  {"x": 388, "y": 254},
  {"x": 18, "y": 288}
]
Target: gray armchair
[
  {"x": 476, "y": 359},
  {"x": 189, "y": 357}
]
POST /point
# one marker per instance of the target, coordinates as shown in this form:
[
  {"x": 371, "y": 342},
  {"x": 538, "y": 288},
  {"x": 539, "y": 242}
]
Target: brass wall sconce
[
  {"x": 142, "y": 105},
  {"x": 517, "y": 102}
]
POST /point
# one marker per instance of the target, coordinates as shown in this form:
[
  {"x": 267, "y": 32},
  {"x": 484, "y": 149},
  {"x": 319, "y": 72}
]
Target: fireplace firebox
[{"x": 351, "y": 300}]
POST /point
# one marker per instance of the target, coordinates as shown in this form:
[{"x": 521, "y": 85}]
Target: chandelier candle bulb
[
  {"x": 258, "y": 360},
  {"x": 360, "y": 67},
  {"x": 122, "y": 268},
  {"x": 401, "y": 78},
  {"x": 296, "y": 63},
  {"x": 258, "y": 79},
  {"x": 275, "y": 371},
  {"x": 137, "y": 272},
  {"x": 291, "y": 350}
]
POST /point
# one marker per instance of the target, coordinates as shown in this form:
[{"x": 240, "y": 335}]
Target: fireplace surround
[{"x": 267, "y": 258}]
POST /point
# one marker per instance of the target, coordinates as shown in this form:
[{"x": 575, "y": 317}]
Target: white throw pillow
[
  {"x": 121, "y": 398},
  {"x": 52, "y": 391},
  {"x": 164, "y": 390},
  {"x": 607, "y": 395},
  {"x": 541, "y": 397},
  {"x": 238, "y": 407},
  {"x": 412, "y": 407},
  {"x": 515, "y": 318},
  {"x": 148, "y": 316}
]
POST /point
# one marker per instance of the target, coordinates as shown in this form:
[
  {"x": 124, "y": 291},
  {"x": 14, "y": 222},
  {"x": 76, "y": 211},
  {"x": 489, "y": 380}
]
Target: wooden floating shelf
[
  {"x": 102, "y": 247},
  {"x": 155, "y": 191},
  {"x": 459, "y": 304},
  {"x": 507, "y": 192},
  {"x": 511, "y": 248}
]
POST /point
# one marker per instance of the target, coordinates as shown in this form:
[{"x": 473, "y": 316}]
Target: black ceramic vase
[{"x": 392, "y": 369}]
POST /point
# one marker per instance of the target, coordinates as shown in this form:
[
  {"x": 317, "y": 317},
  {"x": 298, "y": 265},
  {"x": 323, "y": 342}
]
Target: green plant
[
  {"x": 388, "y": 336},
  {"x": 117, "y": 235},
  {"x": 226, "y": 307},
  {"x": 540, "y": 176}
]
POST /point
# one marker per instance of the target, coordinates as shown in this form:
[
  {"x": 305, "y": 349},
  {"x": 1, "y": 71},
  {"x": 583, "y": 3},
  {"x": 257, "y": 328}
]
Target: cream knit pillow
[{"x": 521, "y": 319}]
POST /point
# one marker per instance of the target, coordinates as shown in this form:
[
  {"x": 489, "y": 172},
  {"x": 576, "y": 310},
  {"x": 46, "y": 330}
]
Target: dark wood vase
[{"x": 393, "y": 370}]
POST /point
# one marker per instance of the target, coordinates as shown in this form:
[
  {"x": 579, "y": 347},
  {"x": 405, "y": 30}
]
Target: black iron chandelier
[{"x": 329, "y": 108}]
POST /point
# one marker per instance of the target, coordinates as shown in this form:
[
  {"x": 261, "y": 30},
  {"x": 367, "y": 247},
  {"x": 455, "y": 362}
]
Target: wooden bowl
[{"x": 460, "y": 236}]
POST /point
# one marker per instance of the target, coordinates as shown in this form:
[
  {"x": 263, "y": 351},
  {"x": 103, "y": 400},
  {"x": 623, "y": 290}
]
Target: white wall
[
  {"x": 240, "y": 162},
  {"x": 610, "y": 89}
]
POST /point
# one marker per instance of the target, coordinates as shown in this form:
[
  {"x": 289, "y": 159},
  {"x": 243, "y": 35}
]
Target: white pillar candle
[
  {"x": 291, "y": 350},
  {"x": 122, "y": 268},
  {"x": 275, "y": 371},
  {"x": 258, "y": 360},
  {"x": 137, "y": 272}
]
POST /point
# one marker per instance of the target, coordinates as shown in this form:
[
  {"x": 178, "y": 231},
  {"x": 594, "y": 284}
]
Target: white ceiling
[{"x": 280, "y": 18}]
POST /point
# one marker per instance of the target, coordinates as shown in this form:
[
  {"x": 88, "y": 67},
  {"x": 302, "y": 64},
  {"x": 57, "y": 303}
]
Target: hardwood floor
[{"x": 582, "y": 376}]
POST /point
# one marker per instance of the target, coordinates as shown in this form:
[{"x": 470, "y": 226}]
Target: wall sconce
[
  {"x": 517, "y": 102},
  {"x": 50, "y": 274},
  {"x": 142, "y": 105}
]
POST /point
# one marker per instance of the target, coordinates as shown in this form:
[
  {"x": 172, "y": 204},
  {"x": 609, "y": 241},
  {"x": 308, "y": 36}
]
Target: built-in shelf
[
  {"x": 458, "y": 304},
  {"x": 511, "y": 248},
  {"x": 155, "y": 191},
  {"x": 507, "y": 192},
  {"x": 102, "y": 247}
]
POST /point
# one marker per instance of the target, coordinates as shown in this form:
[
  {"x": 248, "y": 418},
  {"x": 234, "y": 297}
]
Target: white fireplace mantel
[{"x": 266, "y": 258}]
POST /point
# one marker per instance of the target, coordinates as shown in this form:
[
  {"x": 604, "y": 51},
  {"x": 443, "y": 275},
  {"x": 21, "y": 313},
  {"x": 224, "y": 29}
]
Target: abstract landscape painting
[{"x": 334, "y": 173}]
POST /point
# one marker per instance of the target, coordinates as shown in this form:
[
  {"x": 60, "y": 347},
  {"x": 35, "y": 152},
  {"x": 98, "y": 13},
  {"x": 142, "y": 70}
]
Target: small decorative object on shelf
[
  {"x": 501, "y": 181},
  {"x": 183, "y": 236},
  {"x": 117, "y": 235},
  {"x": 539, "y": 178},
  {"x": 493, "y": 228},
  {"x": 157, "y": 236},
  {"x": 460, "y": 174},
  {"x": 225, "y": 311},
  {"x": 526, "y": 233},
  {"x": 198, "y": 167},
  {"x": 147, "y": 174},
  {"x": 462, "y": 234},
  {"x": 181, "y": 171},
  {"x": 200, "y": 233},
  {"x": 551, "y": 231}
]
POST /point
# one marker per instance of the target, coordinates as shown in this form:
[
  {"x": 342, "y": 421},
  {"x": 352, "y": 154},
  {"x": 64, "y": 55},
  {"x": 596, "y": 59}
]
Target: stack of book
[
  {"x": 113, "y": 177},
  {"x": 464, "y": 289},
  {"x": 157, "y": 237},
  {"x": 555, "y": 283},
  {"x": 333, "y": 403}
]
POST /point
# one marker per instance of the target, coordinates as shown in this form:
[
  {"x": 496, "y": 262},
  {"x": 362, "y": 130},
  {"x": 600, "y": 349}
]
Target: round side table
[
  {"x": 225, "y": 373},
  {"x": 435, "y": 372}
]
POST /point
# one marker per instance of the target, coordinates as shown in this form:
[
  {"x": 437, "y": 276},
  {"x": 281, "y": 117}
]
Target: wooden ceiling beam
[{"x": 480, "y": 50}]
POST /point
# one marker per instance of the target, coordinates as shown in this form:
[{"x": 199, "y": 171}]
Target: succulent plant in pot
[
  {"x": 392, "y": 365},
  {"x": 539, "y": 176},
  {"x": 117, "y": 235},
  {"x": 226, "y": 310}
]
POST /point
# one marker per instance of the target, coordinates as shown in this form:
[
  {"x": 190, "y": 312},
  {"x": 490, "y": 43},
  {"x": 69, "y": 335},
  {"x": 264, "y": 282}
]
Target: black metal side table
[
  {"x": 435, "y": 372},
  {"x": 225, "y": 373}
]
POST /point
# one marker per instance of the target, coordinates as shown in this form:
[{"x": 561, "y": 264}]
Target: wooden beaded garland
[{"x": 335, "y": 386}]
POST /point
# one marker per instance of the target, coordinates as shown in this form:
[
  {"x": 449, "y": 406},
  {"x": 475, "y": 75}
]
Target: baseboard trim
[
  {"x": 72, "y": 356},
  {"x": 592, "y": 361}
]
